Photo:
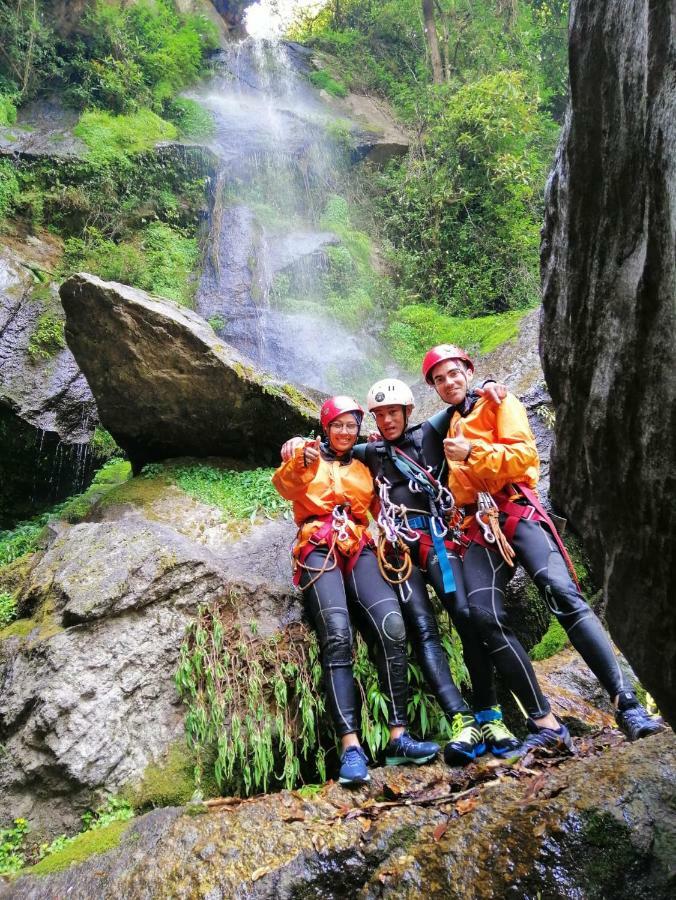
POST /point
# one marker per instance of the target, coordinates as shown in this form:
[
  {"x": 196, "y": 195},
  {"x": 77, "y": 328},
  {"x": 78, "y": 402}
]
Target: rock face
[
  {"x": 603, "y": 826},
  {"x": 47, "y": 412},
  {"x": 165, "y": 384},
  {"x": 609, "y": 320},
  {"x": 87, "y": 698}
]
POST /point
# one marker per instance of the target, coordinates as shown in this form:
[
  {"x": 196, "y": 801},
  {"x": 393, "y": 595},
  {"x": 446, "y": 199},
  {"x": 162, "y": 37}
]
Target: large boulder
[
  {"x": 609, "y": 320},
  {"x": 167, "y": 386},
  {"x": 600, "y": 826},
  {"x": 87, "y": 694}
]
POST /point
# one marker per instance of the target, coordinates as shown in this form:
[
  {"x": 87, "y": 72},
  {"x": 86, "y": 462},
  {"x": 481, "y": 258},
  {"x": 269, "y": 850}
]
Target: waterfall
[{"x": 271, "y": 258}]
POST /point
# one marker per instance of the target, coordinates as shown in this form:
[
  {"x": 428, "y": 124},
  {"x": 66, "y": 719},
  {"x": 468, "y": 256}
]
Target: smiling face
[
  {"x": 342, "y": 433},
  {"x": 391, "y": 420},
  {"x": 451, "y": 381}
]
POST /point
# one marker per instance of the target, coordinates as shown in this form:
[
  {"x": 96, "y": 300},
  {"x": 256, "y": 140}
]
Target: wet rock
[
  {"x": 87, "y": 697},
  {"x": 47, "y": 412},
  {"x": 602, "y": 825},
  {"x": 167, "y": 386},
  {"x": 609, "y": 320}
]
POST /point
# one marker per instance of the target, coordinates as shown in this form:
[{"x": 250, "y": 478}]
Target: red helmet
[
  {"x": 441, "y": 354},
  {"x": 336, "y": 406}
]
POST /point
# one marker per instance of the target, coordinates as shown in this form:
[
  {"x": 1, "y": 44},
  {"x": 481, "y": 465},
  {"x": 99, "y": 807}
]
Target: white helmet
[{"x": 389, "y": 392}]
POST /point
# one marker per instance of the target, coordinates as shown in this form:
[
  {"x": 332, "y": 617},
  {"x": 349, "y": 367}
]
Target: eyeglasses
[{"x": 347, "y": 427}]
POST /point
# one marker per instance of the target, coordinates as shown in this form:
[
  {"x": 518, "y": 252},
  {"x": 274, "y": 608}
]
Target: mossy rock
[
  {"x": 82, "y": 847},
  {"x": 169, "y": 782}
]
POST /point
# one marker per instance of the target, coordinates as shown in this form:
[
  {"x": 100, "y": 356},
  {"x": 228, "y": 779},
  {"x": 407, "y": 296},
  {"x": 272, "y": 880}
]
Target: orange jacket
[
  {"x": 503, "y": 449},
  {"x": 317, "y": 489}
]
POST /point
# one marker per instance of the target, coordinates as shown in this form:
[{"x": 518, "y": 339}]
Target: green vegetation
[
  {"x": 169, "y": 781},
  {"x": 12, "y": 839},
  {"x": 239, "y": 495},
  {"x": 255, "y": 709},
  {"x": 190, "y": 117},
  {"x": 123, "y": 56},
  {"x": 7, "y": 609},
  {"x": 48, "y": 337},
  {"x": 109, "y": 136},
  {"x": 414, "y": 329},
  {"x": 9, "y": 187},
  {"x": 324, "y": 80},
  {"x": 461, "y": 213},
  {"x": 7, "y": 110},
  {"x": 158, "y": 258},
  {"x": 554, "y": 640}
]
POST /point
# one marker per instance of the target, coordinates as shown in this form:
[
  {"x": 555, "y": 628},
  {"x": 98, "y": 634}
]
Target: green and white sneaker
[
  {"x": 498, "y": 738},
  {"x": 466, "y": 742}
]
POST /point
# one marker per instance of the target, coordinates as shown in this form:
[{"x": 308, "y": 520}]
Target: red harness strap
[
  {"x": 326, "y": 534},
  {"x": 426, "y": 545},
  {"x": 533, "y": 511}
]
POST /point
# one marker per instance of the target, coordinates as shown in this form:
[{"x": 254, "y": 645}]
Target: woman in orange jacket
[
  {"x": 337, "y": 570},
  {"x": 493, "y": 471}
]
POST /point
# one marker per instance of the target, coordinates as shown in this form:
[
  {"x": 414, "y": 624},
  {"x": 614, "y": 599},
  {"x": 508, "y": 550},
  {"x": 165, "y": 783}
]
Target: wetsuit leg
[
  {"x": 486, "y": 575},
  {"x": 384, "y": 630},
  {"x": 326, "y": 606},
  {"x": 478, "y": 662},
  {"x": 422, "y": 630},
  {"x": 539, "y": 555}
]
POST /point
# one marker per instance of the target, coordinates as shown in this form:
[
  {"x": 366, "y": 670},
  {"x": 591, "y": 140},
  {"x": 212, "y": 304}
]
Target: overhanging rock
[{"x": 166, "y": 385}]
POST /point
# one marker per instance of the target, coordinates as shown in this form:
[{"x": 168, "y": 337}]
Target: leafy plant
[
  {"x": 9, "y": 187},
  {"x": 12, "y": 839},
  {"x": 48, "y": 337},
  {"x": 239, "y": 495},
  {"x": 324, "y": 80},
  {"x": 7, "y": 608}
]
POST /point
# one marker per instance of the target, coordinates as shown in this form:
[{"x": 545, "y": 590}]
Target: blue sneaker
[
  {"x": 405, "y": 749},
  {"x": 636, "y": 722},
  {"x": 466, "y": 742},
  {"x": 557, "y": 739},
  {"x": 498, "y": 738},
  {"x": 353, "y": 769}
]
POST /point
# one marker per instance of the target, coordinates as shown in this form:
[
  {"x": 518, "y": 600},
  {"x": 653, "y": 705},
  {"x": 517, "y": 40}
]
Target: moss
[
  {"x": 43, "y": 625},
  {"x": 169, "y": 782},
  {"x": 82, "y": 847},
  {"x": 109, "y": 137},
  {"x": 553, "y": 641},
  {"x": 141, "y": 492}
]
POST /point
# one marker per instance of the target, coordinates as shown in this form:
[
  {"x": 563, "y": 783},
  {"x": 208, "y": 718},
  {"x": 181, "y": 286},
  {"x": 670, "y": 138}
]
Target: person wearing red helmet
[
  {"x": 493, "y": 472},
  {"x": 337, "y": 570}
]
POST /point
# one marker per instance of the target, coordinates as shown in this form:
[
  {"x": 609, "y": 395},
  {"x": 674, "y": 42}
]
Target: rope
[{"x": 488, "y": 519}]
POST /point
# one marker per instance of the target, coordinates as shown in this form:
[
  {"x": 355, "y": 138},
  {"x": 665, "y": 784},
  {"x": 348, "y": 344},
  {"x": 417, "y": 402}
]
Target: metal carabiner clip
[
  {"x": 489, "y": 537},
  {"x": 435, "y": 531}
]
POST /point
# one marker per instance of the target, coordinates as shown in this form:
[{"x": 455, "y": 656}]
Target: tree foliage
[{"x": 462, "y": 212}]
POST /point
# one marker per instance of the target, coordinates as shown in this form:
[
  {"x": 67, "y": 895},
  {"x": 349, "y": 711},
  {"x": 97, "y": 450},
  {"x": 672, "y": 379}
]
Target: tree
[{"x": 430, "y": 27}]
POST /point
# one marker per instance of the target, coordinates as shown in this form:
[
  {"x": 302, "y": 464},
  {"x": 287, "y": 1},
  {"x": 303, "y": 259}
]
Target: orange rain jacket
[
  {"x": 503, "y": 450},
  {"x": 317, "y": 489}
]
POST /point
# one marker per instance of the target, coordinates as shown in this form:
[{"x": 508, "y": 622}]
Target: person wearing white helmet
[{"x": 408, "y": 467}]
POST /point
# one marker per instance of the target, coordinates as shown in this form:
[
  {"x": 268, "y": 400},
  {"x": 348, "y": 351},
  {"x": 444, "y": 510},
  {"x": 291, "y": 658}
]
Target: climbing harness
[
  {"x": 397, "y": 527},
  {"x": 334, "y": 528},
  {"x": 488, "y": 518}
]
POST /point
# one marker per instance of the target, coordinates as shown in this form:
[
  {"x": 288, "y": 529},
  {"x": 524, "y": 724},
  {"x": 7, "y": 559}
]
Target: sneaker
[
  {"x": 636, "y": 722},
  {"x": 499, "y": 739},
  {"x": 545, "y": 739},
  {"x": 406, "y": 749},
  {"x": 466, "y": 740},
  {"x": 353, "y": 768}
]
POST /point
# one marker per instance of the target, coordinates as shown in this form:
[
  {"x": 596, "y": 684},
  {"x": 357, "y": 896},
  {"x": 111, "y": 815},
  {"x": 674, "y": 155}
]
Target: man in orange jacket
[{"x": 493, "y": 471}]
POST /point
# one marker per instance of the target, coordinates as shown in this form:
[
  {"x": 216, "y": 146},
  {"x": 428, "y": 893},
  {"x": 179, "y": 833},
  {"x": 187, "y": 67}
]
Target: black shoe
[
  {"x": 466, "y": 741},
  {"x": 546, "y": 739},
  {"x": 636, "y": 722},
  {"x": 405, "y": 749}
]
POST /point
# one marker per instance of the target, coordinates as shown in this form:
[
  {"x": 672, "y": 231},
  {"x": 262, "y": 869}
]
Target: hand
[
  {"x": 374, "y": 436},
  {"x": 457, "y": 448},
  {"x": 495, "y": 391},
  {"x": 290, "y": 446},
  {"x": 311, "y": 451}
]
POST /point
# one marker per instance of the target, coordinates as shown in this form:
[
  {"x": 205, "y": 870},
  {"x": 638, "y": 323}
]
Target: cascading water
[{"x": 280, "y": 279}]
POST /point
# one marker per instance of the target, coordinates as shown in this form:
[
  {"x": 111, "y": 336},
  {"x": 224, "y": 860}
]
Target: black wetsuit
[
  {"x": 332, "y": 600},
  {"x": 424, "y": 444}
]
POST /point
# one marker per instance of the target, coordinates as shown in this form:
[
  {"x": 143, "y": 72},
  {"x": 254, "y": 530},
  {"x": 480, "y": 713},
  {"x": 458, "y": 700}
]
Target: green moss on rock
[
  {"x": 82, "y": 847},
  {"x": 168, "y": 782}
]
